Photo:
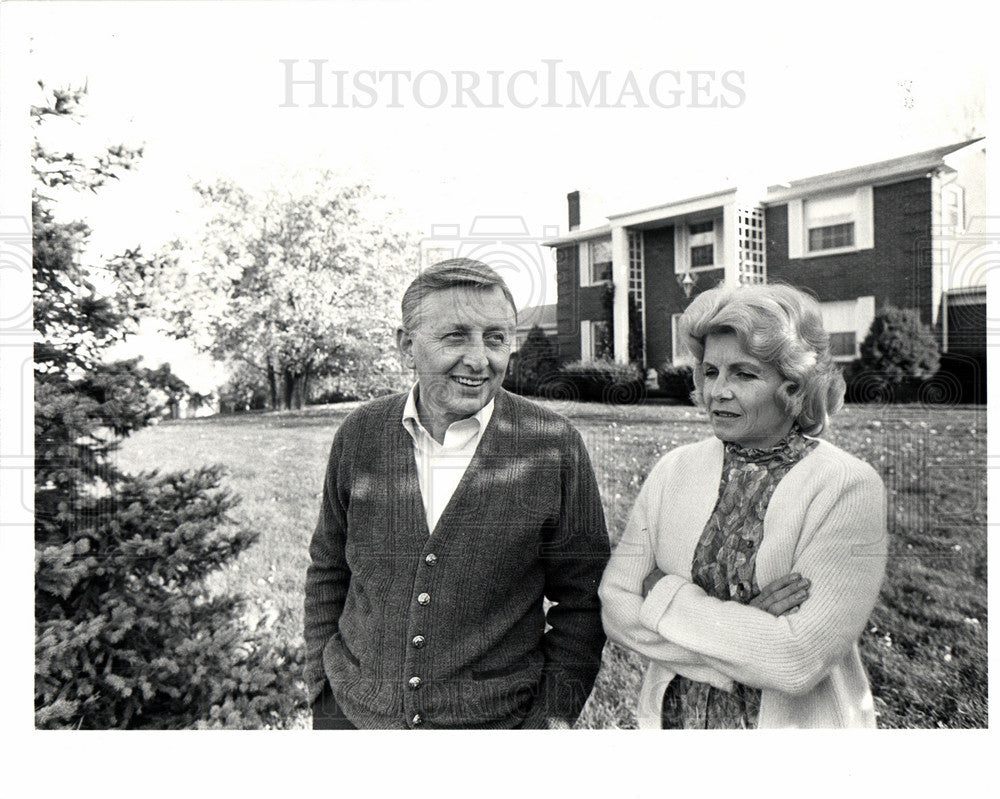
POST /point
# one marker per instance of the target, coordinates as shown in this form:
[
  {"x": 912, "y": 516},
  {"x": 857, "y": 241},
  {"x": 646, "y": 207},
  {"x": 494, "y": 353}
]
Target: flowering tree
[{"x": 295, "y": 285}]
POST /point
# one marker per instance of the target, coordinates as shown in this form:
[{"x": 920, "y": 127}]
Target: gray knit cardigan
[{"x": 449, "y": 630}]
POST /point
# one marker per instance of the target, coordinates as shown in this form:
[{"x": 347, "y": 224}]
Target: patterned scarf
[{"x": 724, "y": 566}]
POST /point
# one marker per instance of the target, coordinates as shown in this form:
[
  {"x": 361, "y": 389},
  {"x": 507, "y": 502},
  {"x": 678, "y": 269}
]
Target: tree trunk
[
  {"x": 288, "y": 388},
  {"x": 296, "y": 387},
  {"x": 303, "y": 388},
  {"x": 272, "y": 385}
]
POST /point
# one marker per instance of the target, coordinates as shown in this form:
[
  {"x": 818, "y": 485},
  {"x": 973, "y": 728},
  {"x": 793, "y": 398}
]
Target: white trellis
[
  {"x": 751, "y": 245},
  {"x": 636, "y": 277}
]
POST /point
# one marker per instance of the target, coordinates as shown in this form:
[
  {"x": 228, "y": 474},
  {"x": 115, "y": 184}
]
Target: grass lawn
[{"x": 925, "y": 647}]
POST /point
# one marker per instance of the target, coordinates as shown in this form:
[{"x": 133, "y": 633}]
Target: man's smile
[{"x": 470, "y": 382}]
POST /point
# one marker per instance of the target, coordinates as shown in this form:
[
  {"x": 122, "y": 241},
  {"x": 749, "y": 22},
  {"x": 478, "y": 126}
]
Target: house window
[
  {"x": 847, "y": 322},
  {"x": 595, "y": 340},
  {"x": 953, "y": 202},
  {"x": 702, "y": 243},
  {"x": 830, "y": 223},
  {"x": 831, "y": 237},
  {"x": 595, "y": 257},
  {"x": 696, "y": 244},
  {"x": 843, "y": 345},
  {"x": 702, "y": 255}
]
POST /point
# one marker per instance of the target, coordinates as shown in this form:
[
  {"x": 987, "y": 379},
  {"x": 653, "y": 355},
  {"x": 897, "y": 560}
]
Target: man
[{"x": 448, "y": 515}]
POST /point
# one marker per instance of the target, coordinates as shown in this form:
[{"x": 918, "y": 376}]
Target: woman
[{"x": 764, "y": 503}]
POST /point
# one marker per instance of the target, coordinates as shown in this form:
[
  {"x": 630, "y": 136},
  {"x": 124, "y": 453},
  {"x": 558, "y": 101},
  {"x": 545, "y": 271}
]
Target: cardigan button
[
  {"x": 418, "y": 641},
  {"x": 414, "y": 683},
  {"x": 424, "y": 599},
  {"x": 417, "y": 720},
  {"x": 431, "y": 559}
]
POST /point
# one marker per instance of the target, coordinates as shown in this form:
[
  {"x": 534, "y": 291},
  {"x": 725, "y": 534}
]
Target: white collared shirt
[{"x": 440, "y": 467}]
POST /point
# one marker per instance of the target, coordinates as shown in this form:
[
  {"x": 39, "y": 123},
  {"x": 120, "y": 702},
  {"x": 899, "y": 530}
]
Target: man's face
[{"x": 460, "y": 349}]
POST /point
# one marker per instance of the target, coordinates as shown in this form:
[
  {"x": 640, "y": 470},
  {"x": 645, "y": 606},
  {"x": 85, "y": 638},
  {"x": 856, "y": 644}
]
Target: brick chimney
[{"x": 573, "y": 201}]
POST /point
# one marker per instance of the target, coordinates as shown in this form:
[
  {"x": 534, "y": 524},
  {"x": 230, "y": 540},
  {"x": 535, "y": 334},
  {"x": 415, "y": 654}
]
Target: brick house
[{"x": 903, "y": 232}]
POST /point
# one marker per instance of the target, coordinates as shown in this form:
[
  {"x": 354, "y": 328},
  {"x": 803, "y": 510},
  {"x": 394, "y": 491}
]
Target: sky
[
  {"x": 204, "y": 88},
  {"x": 767, "y": 92}
]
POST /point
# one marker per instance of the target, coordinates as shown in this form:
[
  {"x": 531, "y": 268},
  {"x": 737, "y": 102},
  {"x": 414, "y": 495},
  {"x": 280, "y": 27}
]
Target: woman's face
[{"x": 741, "y": 393}]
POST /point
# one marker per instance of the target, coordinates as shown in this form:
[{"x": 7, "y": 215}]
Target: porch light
[{"x": 687, "y": 282}]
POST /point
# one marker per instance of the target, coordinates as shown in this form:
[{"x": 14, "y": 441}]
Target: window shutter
[
  {"x": 795, "y": 232},
  {"x": 681, "y": 258},
  {"x": 864, "y": 228}
]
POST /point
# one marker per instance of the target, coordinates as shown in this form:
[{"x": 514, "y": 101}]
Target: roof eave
[
  {"x": 674, "y": 208},
  {"x": 879, "y": 173},
  {"x": 576, "y": 236}
]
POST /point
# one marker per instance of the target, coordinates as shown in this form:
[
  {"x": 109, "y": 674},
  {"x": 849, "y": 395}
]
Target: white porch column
[
  {"x": 939, "y": 260},
  {"x": 730, "y": 244},
  {"x": 619, "y": 276}
]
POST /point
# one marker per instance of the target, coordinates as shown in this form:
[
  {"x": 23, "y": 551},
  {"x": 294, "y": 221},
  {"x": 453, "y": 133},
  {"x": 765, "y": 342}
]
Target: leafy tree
[
  {"x": 296, "y": 285},
  {"x": 126, "y": 634},
  {"x": 899, "y": 347},
  {"x": 535, "y": 361},
  {"x": 242, "y": 391},
  {"x": 174, "y": 390}
]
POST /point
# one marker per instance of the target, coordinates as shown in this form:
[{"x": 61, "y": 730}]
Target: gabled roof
[
  {"x": 878, "y": 173},
  {"x": 675, "y": 208},
  {"x": 541, "y": 315},
  {"x": 649, "y": 216},
  {"x": 891, "y": 170}
]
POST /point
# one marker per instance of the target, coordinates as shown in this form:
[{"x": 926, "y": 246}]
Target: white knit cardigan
[{"x": 826, "y": 520}]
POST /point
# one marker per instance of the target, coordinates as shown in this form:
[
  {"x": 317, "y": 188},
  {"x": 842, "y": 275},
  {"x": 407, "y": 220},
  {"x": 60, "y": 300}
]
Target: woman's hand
[
  {"x": 783, "y": 596},
  {"x": 651, "y": 579},
  {"x": 779, "y": 598}
]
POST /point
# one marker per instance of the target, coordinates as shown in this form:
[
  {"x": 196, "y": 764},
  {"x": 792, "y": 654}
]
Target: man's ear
[{"x": 404, "y": 342}]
